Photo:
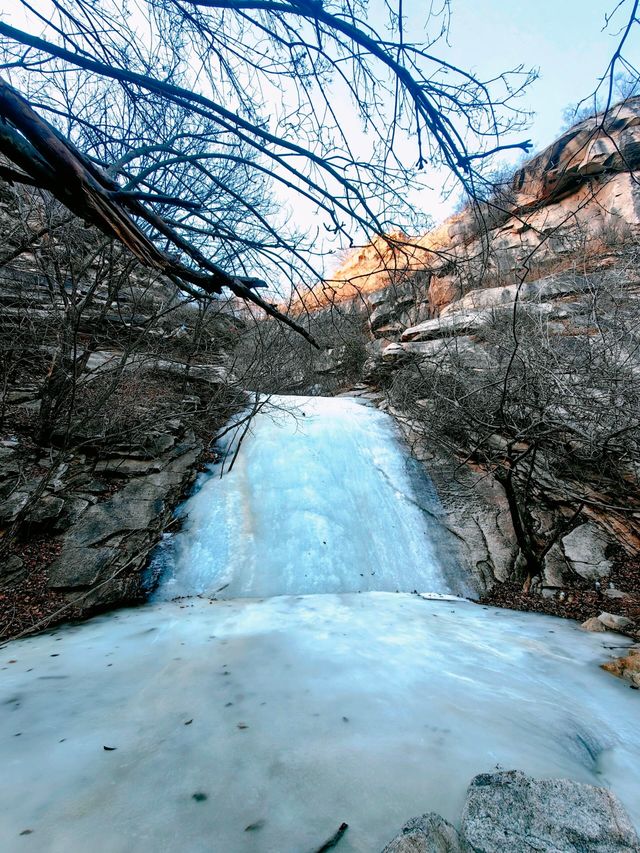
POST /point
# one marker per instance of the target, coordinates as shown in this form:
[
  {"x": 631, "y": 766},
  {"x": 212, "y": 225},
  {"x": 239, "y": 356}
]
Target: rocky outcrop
[
  {"x": 560, "y": 300},
  {"x": 103, "y": 514},
  {"x": 429, "y": 833},
  {"x": 587, "y": 150},
  {"x": 561, "y": 234},
  {"x": 104, "y": 552},
  {"x": 113, "y": 386},
  {"x": 514, "y": 812},
  {"x": 580, "y": 192},
  {"x": 579, "y": 195}
]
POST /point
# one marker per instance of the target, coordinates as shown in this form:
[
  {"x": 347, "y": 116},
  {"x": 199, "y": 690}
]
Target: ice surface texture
[
  {"x": 259, "y": 725},
  {"x": 306, "y": 712},
  {"x": 320, "y": 499}
]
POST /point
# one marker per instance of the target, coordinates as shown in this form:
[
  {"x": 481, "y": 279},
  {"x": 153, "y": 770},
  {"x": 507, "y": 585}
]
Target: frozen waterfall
[{"x": 321, "y": 499}]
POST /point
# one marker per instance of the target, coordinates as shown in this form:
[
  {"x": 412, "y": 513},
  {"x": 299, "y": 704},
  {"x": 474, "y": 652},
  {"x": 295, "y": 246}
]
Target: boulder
[
  {"x": 627, "y": 667},
  {"x": 615, "y": 593},
  {"x": 126, "y": 467},
  {"x": 557, "y": 572},
  {"x": 513, "y": 812},
  {"x": 148, "y": 446},
  {"x": 74, "y": 507},
  {"x": 594, "y": 624},
  {"x": 396, "y": 307},
  {"x": 21, "y": 395},
  {"x": 615, "y": 623},
  {"x": 440, "y": 352},
  {"x": 9, "y": 464},
  {"x": 45, "y": 511},
  {"x": 81, "y": 568},
  {"x": 13, "y": 506},
  {"x": 393, "y": 352},
  {"x": 584, "y": 548},
  {"x": 427, "y": 834},
  {"x": 456, "y": 323},
  {"x": 12, "y": 569},
  {"x": 96, "y": 487}
]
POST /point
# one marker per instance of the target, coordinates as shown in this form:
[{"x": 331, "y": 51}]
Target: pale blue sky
[{"x": 564, "y": 39}]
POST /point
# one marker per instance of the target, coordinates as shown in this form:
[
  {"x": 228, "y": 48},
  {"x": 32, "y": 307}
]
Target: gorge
[{"x": 258, "y": 597}]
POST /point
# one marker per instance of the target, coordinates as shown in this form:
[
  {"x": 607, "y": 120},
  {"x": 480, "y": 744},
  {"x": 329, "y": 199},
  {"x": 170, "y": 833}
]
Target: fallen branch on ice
[{"x": 331, "y": 842}]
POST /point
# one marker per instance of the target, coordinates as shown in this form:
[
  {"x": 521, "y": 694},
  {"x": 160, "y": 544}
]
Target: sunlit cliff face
[
  {"x": 582, "y": 189},
  {"x": 370, "y": 268}
]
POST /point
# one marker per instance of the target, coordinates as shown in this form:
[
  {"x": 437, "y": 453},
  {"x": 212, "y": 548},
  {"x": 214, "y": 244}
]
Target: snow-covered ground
[{"x": 259, "y": 725}]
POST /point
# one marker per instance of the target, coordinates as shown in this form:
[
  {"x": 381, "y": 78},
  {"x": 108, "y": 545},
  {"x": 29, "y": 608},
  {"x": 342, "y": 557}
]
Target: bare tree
[
  {"x": 273, "y": 359},
  {"x": 250, "y": 84},
  {"x": 555, "y": 421},
  {"x": 98, "y": 354}
]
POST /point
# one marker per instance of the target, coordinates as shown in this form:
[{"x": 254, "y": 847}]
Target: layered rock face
[
  {"x": 112, "y": 388},
  {"x": 580, "y": 195},
  {"x": 561, "y": 237}
]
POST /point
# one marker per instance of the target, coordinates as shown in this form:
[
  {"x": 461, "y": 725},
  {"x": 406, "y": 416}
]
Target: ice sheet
[
  {"x": 368, "y": 709},
  {"x": 259, "y": 724}
]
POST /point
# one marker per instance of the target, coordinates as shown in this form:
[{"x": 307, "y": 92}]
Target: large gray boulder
[
  {"x": 614, "y": 622},
  {"x": 429, "y": 833},
  {"x": 585, "y": 547},
  {"x": 510, "y": 811}
]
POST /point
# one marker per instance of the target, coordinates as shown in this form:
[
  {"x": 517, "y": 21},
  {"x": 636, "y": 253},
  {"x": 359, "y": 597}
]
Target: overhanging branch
[{"x": 51, "y": 162}]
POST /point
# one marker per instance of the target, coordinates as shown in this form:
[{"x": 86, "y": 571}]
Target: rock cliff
[
  {"x": 112, "y": 389},
  {"x": 535, "y": 261}
]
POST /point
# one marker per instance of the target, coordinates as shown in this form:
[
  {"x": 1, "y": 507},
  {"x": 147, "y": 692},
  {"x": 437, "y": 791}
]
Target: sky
[{"x": 564, "y": 39}]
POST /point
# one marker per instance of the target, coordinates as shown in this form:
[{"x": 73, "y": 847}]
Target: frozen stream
[{"x": 259, "y": 724}]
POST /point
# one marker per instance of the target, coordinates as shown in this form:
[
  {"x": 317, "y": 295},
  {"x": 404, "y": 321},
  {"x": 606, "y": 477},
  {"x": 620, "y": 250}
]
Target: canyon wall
[
  {"x": 84, "y": 500},
  {"x": 112, "y": 390},
  {"x": 545, "y": 248}
]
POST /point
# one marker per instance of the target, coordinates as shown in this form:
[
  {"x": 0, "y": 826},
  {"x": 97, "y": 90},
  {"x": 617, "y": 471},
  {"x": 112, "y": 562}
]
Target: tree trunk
[{"x": 533, "y": 563}]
